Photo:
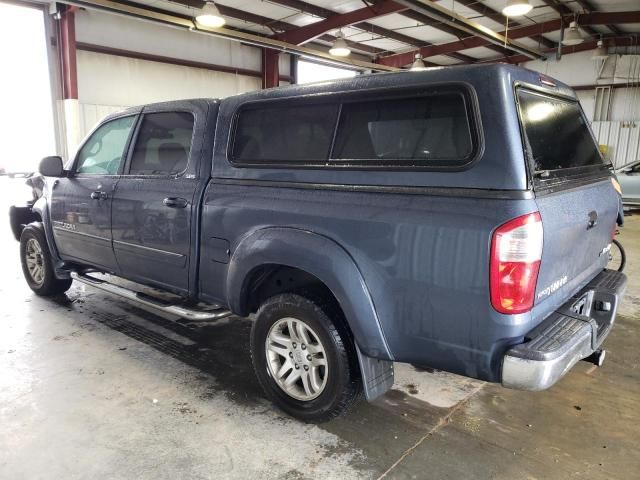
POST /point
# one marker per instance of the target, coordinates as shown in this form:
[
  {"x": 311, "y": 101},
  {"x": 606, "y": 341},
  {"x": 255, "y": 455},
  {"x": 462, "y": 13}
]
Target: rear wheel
[
  {"x": 37, "y": 265},
  {"x": 304, "y": 357}
]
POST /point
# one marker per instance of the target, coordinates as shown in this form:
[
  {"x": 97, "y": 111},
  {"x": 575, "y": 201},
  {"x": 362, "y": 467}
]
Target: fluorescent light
[
  {"x": 418, "y": 63},
  {"x": 516, "y": 8},
  {"x": 572, "y": 36},
  {"x": 340, "y": 47},
  {"x": 210, "y": 16}
]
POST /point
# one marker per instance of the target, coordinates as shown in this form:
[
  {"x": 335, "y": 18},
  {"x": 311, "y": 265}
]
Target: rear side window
[
  {"x": 273, "y": 134},
  {"x": 163, "y": 144},
  {"x": 433, "y": 130},
  {"x": 557, "y": 137},
  {"x": 420, "y": 130}
]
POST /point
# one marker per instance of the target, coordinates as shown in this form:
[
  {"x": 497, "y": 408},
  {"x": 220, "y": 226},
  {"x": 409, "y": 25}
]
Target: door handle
[
  {"x": 98, "y": 195},
  {"x": 175, "y": 202}
]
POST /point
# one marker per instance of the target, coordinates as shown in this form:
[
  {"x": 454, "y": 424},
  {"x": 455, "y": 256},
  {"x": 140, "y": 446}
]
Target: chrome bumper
[{"x": 570, "y": 334}]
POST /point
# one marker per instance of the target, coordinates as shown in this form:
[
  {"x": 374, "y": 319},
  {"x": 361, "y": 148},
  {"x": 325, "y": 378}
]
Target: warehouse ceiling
[{"x": 445, "y": 32}]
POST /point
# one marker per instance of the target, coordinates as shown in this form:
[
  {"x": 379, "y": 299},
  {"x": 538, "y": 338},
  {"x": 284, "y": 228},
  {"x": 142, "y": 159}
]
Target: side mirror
[{"x": 51, "y": 167}]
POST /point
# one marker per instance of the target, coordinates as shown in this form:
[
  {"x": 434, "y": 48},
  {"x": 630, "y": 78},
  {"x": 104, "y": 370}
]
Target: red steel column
[
  {"x": 270, "y": 71},
  {"x": 70, "y": 107},
  {"x": 67, "y": 49}
]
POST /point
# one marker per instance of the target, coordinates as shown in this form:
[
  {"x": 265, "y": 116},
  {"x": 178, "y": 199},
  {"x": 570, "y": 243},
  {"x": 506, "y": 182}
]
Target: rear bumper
[{"x": 570, "y": 334}]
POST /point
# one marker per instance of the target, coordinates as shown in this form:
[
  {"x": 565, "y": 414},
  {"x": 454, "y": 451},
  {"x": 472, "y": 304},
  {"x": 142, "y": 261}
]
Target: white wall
[
  {"x": 127, "y": 33},
  {"x": 622, "y": 140},
  {"x": 113, "y": 80},
  {"x": 107, "y": 83}
]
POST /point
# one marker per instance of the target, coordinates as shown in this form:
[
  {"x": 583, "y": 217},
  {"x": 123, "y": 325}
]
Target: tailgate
[{"x": 578, "y": 225}]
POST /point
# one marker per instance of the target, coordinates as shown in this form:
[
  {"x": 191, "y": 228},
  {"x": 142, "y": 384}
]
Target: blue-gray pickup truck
[{"x": 454, "y": 218}]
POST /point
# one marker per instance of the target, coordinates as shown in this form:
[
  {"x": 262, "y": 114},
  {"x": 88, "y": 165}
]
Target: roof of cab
[{"x": 186, "y": 104}]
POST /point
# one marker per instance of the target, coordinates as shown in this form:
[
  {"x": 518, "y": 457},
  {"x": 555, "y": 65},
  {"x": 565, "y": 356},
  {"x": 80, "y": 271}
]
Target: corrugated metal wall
[
  {"x": 622, "y": 140},
  {"x": 91, "y": 114},
  {"x": 109, "y": 83}
]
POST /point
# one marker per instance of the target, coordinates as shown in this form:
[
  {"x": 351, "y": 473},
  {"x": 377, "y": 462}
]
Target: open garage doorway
[
  {"x": 309, "y": 72},
  {"x": 26, "y": 122}
]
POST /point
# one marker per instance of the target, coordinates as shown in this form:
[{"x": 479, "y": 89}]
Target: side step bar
[{"x": 148, "y": 301}]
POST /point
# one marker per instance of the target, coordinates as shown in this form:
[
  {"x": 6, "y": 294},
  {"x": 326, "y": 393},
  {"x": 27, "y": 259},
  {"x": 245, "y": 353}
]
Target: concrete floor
[{"x": 94, "y": 387}]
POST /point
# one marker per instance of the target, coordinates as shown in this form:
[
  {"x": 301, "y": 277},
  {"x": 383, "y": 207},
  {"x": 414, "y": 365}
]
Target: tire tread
[
  {"x": 51, "y": 285},
  {"x": 323, "y": 307}
]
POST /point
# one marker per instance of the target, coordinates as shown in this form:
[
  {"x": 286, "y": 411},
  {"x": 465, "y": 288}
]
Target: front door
[
  {"x": 153, "y": 202},
  {"x": 81, "y": 201}
]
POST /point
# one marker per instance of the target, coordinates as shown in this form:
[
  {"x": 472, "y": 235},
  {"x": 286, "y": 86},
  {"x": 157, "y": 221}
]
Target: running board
[{"x": 149, "y": 301}]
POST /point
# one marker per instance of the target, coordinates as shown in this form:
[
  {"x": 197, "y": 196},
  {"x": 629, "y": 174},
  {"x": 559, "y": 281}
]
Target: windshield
[{"x": 557, "y": 137}]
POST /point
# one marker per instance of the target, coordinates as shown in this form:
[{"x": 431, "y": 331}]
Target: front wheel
[
  {"x": 37, "y": 264},
  {"x": 304, "y": 358}
]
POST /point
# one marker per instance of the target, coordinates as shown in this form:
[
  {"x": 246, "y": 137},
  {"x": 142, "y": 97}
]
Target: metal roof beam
[
  {"x": 464, "y": 25},
  {"x": 164, "y": 17},
  {"x": 429, "y": 22},
  {"x": 496, "y": 16},
  {"x": 276, "y": 26},
  {"x": 594, "y": 18},
  {"x": 618, "y": 41},
  {"x": 565, "y": 11},
  {"x": 307, "y": 33},
  {"x": 587, "y": 6},
  {"x": 321, "y": 12}
]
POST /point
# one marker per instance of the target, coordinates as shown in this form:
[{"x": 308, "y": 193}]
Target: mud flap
[{"x": 377, "y": 375}]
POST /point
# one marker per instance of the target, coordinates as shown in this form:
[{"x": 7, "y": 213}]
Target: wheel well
[
  {"x": 20, "y": 217},
  {"x": 271, "y": 279}
]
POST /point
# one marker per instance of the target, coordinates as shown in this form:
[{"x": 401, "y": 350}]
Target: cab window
[
  {"x": 163, "y": 144},
  {"x": 102, "y": 153}
]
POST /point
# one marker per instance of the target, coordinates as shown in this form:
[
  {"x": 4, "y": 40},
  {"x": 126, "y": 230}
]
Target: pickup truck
[{"x": 455, "y": 218}]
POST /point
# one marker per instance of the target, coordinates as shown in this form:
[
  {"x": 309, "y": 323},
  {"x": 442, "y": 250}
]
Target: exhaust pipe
[{"x": 597, "y": 358}]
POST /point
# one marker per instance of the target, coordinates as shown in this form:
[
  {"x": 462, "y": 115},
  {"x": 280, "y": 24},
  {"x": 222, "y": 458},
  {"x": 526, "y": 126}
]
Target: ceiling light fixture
[
  {"x": 210, "y": 16},
  {"x": 418, "y": 63},
  {"x": 572, "y": 35},
  {"x": 516, "y": 8},
  {"x": 340, "y": 47},
  {"x": 600, "y": 52}
]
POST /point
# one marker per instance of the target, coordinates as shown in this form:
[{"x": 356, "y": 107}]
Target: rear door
[
  {"x": 154, "y": 201},
  {"x": 81, "y": 201},
  {"x": 574, "y": 192}
]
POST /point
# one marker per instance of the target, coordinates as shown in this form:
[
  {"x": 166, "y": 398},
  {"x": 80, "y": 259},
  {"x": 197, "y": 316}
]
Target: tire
[
  {"x": 619, "y": 263},
  {"x": 37, "y": 265},
  {"x": 318, "y": 322}
]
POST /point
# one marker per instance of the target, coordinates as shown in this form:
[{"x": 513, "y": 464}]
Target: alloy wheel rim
[
  {"x": 35, "y": 261},
  {"x": 296, "y": 359}
]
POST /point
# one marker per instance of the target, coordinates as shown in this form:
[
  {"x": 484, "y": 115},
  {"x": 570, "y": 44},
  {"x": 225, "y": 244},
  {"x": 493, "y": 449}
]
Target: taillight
[{"x": 516, "y": 251}]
